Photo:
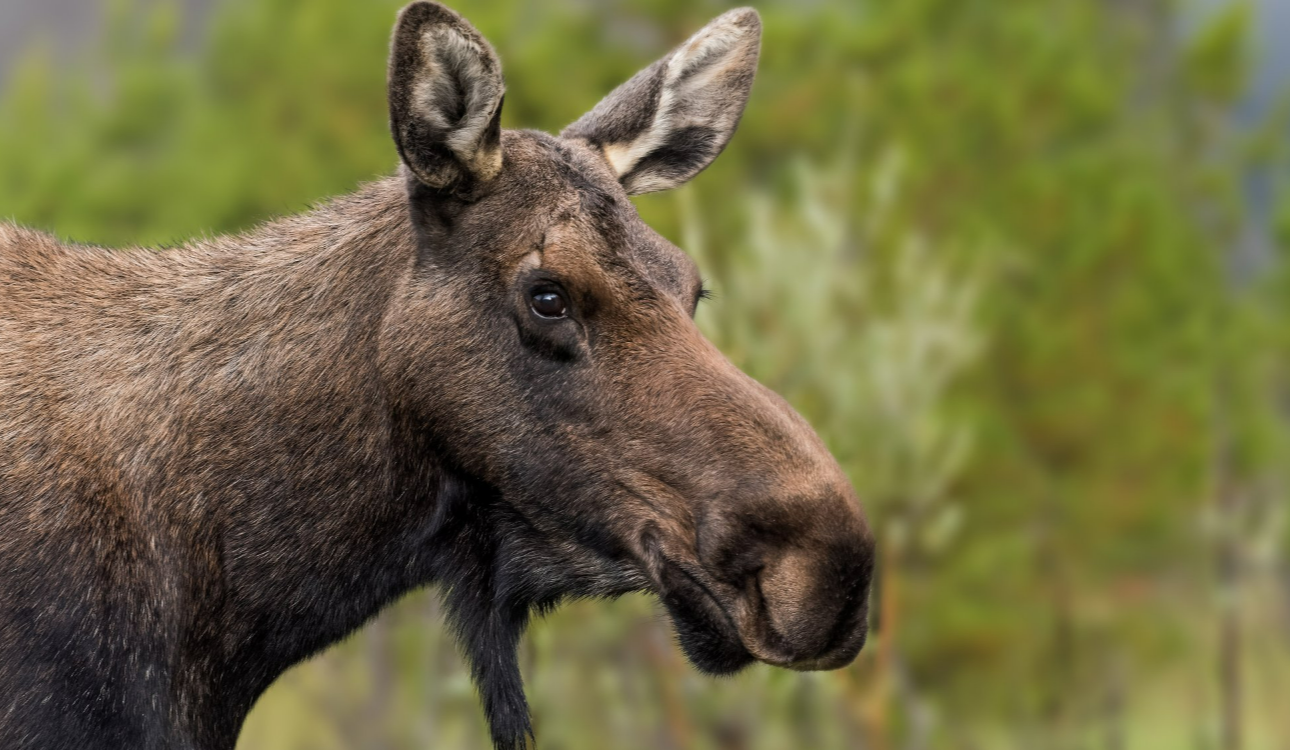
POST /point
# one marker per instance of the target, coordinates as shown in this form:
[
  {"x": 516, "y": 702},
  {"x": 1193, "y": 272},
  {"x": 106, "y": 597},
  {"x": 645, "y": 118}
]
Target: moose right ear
[
  {"x": 445, "y": 89},
  {"x": 669, "y": 121}
]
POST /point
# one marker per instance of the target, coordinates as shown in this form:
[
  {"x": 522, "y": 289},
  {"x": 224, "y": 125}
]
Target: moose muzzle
[{"x": 759, "y": 547}]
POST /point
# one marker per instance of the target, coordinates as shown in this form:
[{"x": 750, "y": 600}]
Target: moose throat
[{"x": 481, "y": 372}]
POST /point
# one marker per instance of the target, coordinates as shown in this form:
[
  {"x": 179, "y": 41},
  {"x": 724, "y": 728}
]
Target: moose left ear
[
  {"x": 445, "y": 89},
  {"x": 670, "y": 120}
]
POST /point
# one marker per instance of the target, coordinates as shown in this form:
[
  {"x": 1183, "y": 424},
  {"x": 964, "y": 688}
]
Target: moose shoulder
[{"x": 481, "y": 372}]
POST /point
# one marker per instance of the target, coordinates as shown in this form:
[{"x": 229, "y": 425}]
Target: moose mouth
[
  {"x": 714, "y": 642},
  {"x": 705, "y": 629},
  {"x": 721, "y": 635},
  {"x": 726, "y": 619}
]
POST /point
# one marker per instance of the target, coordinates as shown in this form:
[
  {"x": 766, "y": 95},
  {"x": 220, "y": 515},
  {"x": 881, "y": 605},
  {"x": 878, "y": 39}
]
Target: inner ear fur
[
  {"x": 668, "y": 122},
  {"x": 445, "y": 89}
]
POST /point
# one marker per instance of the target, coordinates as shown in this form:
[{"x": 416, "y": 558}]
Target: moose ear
[
  {"x": 445, "y": 90},
  {"x": 670, "y": 120}
]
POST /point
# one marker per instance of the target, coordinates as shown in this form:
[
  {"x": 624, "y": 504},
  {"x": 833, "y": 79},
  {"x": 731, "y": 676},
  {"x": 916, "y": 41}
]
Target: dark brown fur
[{"x": 217, "y": 459}]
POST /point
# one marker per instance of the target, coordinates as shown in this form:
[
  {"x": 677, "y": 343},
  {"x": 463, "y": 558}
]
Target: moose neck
[
  {"x": 225, "y": 481},
  {"x": 321, "y": 501}
]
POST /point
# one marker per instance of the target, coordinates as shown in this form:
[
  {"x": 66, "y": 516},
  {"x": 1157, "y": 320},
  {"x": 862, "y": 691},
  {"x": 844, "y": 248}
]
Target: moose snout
[
  {"x": 804, "y": 604},
  {"x": 778, "y": 568}
]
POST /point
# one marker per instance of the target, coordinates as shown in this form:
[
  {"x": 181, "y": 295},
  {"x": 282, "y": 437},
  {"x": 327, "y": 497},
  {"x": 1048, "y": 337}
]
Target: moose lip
[
  {"x": 736, "y": 638},
  {"x": 741, "y": 647},
  {"x": 705, "y": 630},
  {"x": 713, "y": 601},
  {"x": 694, "y": 607},
  {"x": 661, "y": 565}
]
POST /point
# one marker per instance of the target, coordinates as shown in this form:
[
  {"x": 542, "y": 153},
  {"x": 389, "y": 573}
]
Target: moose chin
[{"x": 481, "y": 372}]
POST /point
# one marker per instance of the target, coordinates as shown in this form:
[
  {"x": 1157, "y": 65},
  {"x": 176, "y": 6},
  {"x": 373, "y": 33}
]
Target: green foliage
[{"x": 988, "y": 250}]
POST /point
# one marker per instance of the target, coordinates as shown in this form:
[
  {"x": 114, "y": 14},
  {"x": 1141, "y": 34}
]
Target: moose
[{"x": 481, "y": 372}]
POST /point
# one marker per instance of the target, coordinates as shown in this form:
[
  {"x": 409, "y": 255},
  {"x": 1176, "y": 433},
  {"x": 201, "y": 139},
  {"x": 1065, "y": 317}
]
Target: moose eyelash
[{"x": 704, "y": 292}]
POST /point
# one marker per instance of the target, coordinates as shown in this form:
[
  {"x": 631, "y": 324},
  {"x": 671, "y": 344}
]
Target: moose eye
[{"x": 548, "y": 303}]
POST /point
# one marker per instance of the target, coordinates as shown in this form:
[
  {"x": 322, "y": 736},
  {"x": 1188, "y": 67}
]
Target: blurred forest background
[{"x": 1023, "y": 264}]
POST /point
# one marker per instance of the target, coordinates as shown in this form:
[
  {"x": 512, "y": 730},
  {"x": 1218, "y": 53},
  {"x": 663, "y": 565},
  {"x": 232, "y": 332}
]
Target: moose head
[
  {"x": 484, "y": 372},
  {"x": 549, "y": 348}
]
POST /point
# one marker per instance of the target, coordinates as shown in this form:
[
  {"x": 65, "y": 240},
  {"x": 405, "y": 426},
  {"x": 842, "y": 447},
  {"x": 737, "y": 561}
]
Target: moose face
[{"x": 545, "y": 342}]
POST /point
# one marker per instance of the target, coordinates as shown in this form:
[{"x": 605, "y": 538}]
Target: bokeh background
[{"x": 1023, "y": 264}]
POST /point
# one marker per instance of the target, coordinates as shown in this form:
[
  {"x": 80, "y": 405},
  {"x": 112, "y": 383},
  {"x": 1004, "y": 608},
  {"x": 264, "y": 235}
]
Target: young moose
[{"x": 216, "y": 460}]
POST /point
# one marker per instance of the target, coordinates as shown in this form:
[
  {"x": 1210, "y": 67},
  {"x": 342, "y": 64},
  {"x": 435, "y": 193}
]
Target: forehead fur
[{"x": 582, "y": 216}]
